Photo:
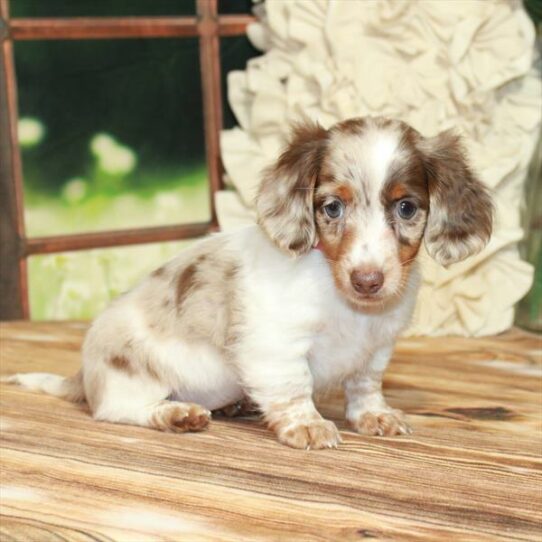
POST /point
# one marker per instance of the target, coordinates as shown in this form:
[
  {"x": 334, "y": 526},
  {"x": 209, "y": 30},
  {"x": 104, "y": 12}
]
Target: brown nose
[{"x": 367, "y": 282}]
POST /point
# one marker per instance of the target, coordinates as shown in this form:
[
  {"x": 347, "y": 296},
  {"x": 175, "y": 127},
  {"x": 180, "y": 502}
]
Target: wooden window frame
[{"x": 15, "y": 246}]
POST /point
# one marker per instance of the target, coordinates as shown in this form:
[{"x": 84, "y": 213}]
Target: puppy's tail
[{"x": 70, "y": 388}]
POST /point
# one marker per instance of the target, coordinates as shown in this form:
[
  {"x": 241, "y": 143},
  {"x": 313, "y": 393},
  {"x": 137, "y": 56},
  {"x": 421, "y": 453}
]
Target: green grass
[{"x": 77, "y": 285}]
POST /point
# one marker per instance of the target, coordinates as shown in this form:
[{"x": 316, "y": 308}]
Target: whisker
[{"x": 408, "y": 261}]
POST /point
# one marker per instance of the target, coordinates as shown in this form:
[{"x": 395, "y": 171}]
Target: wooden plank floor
[{"x": 470, "y": 471}]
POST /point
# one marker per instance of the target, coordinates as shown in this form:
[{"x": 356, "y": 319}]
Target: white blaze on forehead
[
  {"x": 364, "y": 158},
  {"x": 383, "y": 151}
]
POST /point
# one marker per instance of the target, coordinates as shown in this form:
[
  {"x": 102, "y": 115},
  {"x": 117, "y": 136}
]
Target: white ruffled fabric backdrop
[{"x": 435, "y": 64}]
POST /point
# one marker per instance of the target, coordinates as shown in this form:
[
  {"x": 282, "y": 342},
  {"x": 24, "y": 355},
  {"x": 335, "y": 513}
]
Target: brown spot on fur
[
  {"x": 158, "y": 272},
  {"x": 234, "y": 311},
  {"x": 297, "y": 245},
  {"x": 185, "y": 282},
  {"x": 407, "y": 253},
  {"x": 357, "y": 125},
  {"x": 345, "y": 193},
  {"x": 398, "y": 191},
  {"x": 406, "y": 179},
  {"x": 179, "y": 417},
  {"x": 335, "y": 248},
  {"x": 345, "y": 245},
  {"x": 351, "y": 126},
  {"x": 452, "y": 233},
  {"x": 151, "y": 371},
  {"x": 122, "y": 363},
  {"x": 231, "y": 272}
]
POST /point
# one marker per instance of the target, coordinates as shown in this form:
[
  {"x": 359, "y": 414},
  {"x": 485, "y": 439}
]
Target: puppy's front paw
[
  {"x": 381, "y": 424},
  {"x": 310, "y": 435}
]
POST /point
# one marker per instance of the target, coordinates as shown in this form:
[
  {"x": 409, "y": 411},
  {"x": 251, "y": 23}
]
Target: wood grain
[
  {"x": 471, "y": 471},
  {"x": 121, "y": 27}
]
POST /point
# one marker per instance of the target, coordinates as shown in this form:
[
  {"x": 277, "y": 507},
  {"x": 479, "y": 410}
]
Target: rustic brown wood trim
[
  {"x": 120, "y": 27},
  {"x": 85, "y": 241},
  {"x": 234, "y": 25},
  {"x": 13, "y": 275},
  {"x": 212, "y": 97}
]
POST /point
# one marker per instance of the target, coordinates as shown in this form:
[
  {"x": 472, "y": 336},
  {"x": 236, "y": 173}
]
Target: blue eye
[
  {"x": 406, "y": 209},
  {"x": 334, "y": 209}
]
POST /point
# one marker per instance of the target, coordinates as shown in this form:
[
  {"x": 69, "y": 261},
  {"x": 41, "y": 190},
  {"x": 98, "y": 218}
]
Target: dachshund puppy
[{"x": 313, "y": 296}]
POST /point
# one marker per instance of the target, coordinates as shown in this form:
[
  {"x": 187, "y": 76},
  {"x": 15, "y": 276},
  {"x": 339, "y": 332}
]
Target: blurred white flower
[
  {"x": 71, "y": 297},
  {"x": 113, "y": 157},
  {"x": 30, "y": 131},
  {"x": 75, "y": 190},
  {"x": 168, "y": 201},
  {"x": 58, "y": 261}
]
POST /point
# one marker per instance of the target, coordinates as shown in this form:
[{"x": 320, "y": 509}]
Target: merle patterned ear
[
  {"x": 284, "y": 202},
  {"x": 460, "y": 208}
]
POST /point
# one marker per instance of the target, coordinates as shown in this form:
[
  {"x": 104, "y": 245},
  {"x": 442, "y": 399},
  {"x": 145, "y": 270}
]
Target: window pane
[
  {"x": 234, "y": 53},
  {"x": 235, "y": 6},
  {"x": 111, "y": 134},
  {"x": 100, "y": 8},
  {"x": 79, "y": 285}
]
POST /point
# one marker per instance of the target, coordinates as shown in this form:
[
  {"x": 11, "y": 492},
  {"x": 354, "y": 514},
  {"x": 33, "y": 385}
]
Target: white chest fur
[
  {"x": 348, "y": 341},
  {"x": 295, "y": 304}
]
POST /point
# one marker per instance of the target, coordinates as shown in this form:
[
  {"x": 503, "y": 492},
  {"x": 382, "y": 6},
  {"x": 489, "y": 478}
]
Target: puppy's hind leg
[
  {"x": 179, "y": 417},
  {"x": 136, "y": 399}
]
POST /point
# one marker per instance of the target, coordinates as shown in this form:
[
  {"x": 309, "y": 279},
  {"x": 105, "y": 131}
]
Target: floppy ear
[
  {"x": 284, "y": 202},
  {"x": 460, "y": 208}
]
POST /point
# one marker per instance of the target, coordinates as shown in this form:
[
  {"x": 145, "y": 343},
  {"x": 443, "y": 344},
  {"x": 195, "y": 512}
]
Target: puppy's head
[{"x": 366, "y": 192}]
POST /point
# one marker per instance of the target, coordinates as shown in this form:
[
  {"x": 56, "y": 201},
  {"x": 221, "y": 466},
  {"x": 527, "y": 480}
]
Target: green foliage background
[{"x": 144, "y": 97}]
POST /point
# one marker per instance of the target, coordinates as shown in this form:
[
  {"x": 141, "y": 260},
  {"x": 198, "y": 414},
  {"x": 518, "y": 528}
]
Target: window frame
[{"x": 15, "y": 246}]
